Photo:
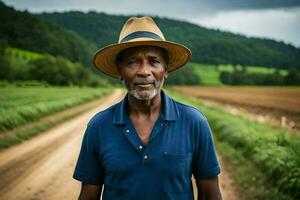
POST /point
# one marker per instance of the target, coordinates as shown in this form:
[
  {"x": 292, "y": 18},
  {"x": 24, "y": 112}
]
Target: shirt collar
[{"x": 170, "y": 110}]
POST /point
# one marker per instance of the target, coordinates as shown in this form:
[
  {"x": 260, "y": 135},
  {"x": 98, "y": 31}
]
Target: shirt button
[
  {"x": 127, "y": 131},
  {"x": 140, "y": 147},
  {"x": 145, "y": 157}
]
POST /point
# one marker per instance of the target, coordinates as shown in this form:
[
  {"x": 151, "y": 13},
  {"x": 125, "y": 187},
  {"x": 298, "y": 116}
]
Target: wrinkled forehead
[{"x": 143, "y": 50}]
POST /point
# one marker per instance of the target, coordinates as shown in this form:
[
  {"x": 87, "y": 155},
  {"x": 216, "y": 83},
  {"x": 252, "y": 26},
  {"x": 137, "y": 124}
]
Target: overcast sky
[{"x": 276, "y": 19}]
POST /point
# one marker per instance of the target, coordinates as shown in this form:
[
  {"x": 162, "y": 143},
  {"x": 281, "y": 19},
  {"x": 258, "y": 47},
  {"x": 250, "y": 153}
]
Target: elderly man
[{"x": 148, "y": 146}]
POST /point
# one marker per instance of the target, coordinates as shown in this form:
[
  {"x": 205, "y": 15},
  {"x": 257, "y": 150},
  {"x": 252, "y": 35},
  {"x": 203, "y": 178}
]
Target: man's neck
[{"x": 145, "y": 108}]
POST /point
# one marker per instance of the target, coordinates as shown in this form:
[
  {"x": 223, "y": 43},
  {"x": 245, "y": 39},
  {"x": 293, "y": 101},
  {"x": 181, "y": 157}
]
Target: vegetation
[
  {"x": 272, "y": 152},
  {"x": 183, "y": 76},
  {"x": 22, "y": 54},
  {"x": 212, "y": 75},
  {"x": 25, "y": 31},
  {"x": 208, "y": 46},
  {"x": 26, "y": 65},
  {"x": 252, "y": 69},
  {"x": 74, "y": 36},
  {"x": 27, "y": 133},
  {"x": 20, "y": 105},
  {"x": 209, "y": 74},
  {"x": 243, "y": 77},
  {"x": 60, "y": 71}
]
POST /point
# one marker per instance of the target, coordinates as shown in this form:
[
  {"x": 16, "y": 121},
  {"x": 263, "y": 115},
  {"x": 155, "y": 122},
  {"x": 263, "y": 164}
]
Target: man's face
[{"x": 143, "y": 70}]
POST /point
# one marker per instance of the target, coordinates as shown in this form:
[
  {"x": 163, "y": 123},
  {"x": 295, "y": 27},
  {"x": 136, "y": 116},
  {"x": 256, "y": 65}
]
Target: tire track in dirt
[{"x": 42, "y": 167}]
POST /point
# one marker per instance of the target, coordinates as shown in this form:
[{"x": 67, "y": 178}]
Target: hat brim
[{"x": 105, "y": 58}]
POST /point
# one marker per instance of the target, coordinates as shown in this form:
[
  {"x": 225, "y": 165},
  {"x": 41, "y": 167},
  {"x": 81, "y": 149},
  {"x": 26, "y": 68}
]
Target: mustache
[{"x": 144, "y": 82}]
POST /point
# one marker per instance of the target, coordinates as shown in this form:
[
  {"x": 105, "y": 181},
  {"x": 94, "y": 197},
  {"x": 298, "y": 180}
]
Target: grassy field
[
  {"x": 252, "y": 69},
  {"x": 21, "y": 105},
  {"x": 209, "y": 74},
  {"x": 22, "y": 54},
  {"x": 265, "y": 159}
]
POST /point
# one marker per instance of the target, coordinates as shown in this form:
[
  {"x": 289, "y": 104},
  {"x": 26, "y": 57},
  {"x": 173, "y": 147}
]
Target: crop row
[{"x": 19, "y": 106}]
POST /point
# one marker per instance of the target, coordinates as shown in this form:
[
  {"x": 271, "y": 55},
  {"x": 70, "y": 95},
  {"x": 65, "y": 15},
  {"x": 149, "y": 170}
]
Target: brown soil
[
  {"x": 42, "y": 167},
  {"x": 279, "y": 106}
]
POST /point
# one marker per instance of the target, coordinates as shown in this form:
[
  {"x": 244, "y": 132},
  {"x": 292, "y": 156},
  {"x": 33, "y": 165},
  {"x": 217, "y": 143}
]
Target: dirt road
[{"x": 42, "y": 167}]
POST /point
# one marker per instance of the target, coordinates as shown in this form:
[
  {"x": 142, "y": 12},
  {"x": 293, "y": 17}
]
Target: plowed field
[{"x": 277, "y": 104}]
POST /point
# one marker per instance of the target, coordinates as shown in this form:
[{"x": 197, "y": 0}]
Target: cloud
[{"x": 166, "y": 7}]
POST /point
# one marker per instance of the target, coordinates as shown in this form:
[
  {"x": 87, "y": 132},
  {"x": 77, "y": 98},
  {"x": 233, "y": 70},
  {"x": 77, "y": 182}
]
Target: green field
[
  {"x": 266, "y": 160},
  {"x": 252, "y": 69},
  {"x": 21, "y": 105},
  {"x": 22, "y": 54},
  {"x": 209, "y": 74}
]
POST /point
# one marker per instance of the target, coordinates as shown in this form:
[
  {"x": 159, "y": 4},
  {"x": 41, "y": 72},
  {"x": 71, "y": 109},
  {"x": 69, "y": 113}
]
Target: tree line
[
  {"x": 242, "y": 77},
  {"x": 47, "y": 68}
]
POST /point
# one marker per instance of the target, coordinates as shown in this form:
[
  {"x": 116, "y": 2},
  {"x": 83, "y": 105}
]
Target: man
[{"x": 148, "y": 146}]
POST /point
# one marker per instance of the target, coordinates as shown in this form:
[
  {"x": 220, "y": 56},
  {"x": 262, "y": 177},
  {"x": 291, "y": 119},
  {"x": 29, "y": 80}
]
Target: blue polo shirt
[{"x": 180, "y": 145}]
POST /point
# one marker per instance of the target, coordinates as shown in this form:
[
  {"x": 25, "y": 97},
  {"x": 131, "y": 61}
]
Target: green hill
[
  {"x": 25, "y": 31},
  {"x": 208, "y": 46}
]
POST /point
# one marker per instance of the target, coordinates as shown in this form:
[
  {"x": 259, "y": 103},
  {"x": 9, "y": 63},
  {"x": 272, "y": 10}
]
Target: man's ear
[
  {"x": 120, "y": 74},
  {"x": 166, "y": 75}
]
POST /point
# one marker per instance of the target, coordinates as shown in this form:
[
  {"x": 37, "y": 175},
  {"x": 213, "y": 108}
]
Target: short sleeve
[
  {"x": 205, "y": 162},
  {"x": 88, "y": 169}
]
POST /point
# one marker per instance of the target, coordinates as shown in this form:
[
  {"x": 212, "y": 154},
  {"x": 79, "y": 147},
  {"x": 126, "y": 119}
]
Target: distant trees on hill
[
  {"x": 26, "y": 31},
  {"x": 208, "y": 46},
  {"x": 242, "y": 77}
]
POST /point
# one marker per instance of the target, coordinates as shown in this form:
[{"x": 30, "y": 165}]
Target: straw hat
[{"x": 140, "y": 32}]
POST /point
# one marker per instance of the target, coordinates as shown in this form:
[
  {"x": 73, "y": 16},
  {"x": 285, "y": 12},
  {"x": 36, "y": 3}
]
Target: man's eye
[
  {"x": 155, "y": 61},
  {"x": 131, "y": 62}
]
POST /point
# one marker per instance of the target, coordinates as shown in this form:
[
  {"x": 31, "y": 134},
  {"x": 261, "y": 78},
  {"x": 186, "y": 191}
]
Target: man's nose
[{"x": 144, "y": 69}]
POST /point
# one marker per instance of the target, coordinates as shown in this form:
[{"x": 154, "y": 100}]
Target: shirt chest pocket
[{"x": 176, "y": 165}]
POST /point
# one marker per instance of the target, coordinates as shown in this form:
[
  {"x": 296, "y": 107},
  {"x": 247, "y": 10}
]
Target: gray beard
[{"x": 146, "y": 96}]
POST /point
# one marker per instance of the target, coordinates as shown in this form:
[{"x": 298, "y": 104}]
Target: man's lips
[{"x": 144, "y": 84}]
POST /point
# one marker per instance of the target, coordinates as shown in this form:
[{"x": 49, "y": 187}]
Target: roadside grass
[
  {"x": 21, "y": 105},
  {"x": 266, "y": 159},
  {"x": 28, "y": 133}
]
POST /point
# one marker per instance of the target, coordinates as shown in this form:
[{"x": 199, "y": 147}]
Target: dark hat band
[{"x": 141, "y": 34}]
